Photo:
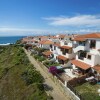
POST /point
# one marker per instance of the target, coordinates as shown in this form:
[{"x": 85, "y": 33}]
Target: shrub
[
  {"x": 40, "y": 86},
  {"x": 42, "y": 58},
  {"x": 32, "y": 76},
  {"x": 49, "y": 63}
]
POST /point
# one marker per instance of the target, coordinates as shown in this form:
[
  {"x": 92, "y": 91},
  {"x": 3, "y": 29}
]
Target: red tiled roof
[
  {"x": 66, "y": 47},
  {"x": 62, "y": 57},
  {"x": 47, "y": 53},
  {"x": 42, "y": 37},
  {"x": 57, "y": 44},
  {"x": 97, "y": 68},
  {"x": 80, "y": 64},
  {"x": 86, "y": 36},
  {"x": 55, "y": 37},
  {"x": 48, "y": 42},
  {"x": 41, "y": 42},
  {"x": 79, "y": 39},
  {"x": 27, "y": 40},
  {"x": 62, "y": 36}
]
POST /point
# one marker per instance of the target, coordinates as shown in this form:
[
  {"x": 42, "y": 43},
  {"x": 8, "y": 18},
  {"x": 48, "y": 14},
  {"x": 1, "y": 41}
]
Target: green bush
[
  {"x": 49, "y": 63},
  {"x": 30, "y": 75},
  {"x": 36, "y": 56},
  {"x": 40, "y": 86},
  {"x": 42, "y": 59}
]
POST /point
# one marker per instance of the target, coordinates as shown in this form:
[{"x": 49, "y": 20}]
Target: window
[
  {"x": 65, "y": 51},
  {"x": 50, "y": 46},
  {"x": 36, "y": 41},
  {"x": 92, "y": 44},
  {"x": 70, "y": 39},
  {"x": 89, "y": 56},
  {"x": 81, "y": 55},
  {"x": 54, "y": 47},
  {"x": 80, "y": 42},
  {"x": 40, "y": 39},
  {"x": 65, "y": 43}
]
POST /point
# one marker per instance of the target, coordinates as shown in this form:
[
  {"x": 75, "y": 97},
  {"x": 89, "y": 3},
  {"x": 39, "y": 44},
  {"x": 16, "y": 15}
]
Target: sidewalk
[{"x": 55, "y": 93}]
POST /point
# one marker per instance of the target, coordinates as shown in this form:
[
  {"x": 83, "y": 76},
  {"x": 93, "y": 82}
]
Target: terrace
[
  {"x": 64, "y": 77},
  {"x": 69, "y": 72}
]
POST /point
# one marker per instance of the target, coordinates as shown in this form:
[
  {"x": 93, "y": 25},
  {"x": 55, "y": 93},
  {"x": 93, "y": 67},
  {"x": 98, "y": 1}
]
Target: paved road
[{"x": 56, "y": 92}]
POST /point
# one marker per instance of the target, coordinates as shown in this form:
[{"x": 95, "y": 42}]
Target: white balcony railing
[{"x": 78, "y": 48}]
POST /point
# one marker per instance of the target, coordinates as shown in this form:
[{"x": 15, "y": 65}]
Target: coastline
[
  {"x": 9, "y": 40},
  {"x": 5, "y": 44}
]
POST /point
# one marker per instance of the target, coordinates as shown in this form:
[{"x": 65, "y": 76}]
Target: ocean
[{"x": 10, "y": 39}]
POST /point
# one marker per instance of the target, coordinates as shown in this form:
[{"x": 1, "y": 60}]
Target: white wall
[
  {"x": 62, "y": 42},
  {"x": 98, "y": 44},
  {"x": 95, "y": 59},
  {"x": 46, "y": 46},
  {"x": 87, "y": 45}
]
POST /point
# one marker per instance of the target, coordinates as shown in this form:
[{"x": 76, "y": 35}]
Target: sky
[{"x": 29, "y": 17}]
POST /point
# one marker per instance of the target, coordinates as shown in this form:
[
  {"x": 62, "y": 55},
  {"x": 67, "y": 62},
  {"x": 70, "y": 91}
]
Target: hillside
[{"x": 18, "y": 78}]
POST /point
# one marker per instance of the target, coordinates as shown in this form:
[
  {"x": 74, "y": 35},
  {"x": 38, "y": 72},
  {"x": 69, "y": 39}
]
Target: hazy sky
[{"x": 25, "y": 17}]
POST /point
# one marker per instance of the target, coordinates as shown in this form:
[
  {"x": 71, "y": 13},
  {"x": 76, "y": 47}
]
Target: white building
[
  {"x": 86, "y": 48},
  {"x": 63, "y": 50},
  {"x": 46, "y": 44}
]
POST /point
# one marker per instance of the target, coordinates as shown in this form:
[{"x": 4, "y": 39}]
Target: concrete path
[{"x": 55, "y": 92}]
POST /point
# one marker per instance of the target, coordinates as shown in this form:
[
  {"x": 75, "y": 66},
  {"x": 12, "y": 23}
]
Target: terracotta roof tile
[
  {"x": 62, "y": 57},
  {"x": 62, "y": 36},
  {"x": 27, "y": 40},
  {"x": 79, "y": 39},
  {"x": 97, "y": 68},
  {"x": 86, "y": 36},
  {"x": 46, "y": 42},
  {"x": 66, "y": 47},
  {"x": 57, "y": 45},
  {"x": 80, "y": 64},
  {"x": 41, "y": 42},
  {"x": 42, "y": 37},
  {"x": 47, "y": 53}
]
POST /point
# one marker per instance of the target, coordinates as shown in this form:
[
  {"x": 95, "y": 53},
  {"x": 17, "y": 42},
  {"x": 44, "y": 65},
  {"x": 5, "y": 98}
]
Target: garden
[
  {"x": 50, "y": 63},
  {"x": 88, "y": 91}
]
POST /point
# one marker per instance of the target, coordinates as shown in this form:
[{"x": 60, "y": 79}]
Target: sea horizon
[{"x": 9, "y": 39}]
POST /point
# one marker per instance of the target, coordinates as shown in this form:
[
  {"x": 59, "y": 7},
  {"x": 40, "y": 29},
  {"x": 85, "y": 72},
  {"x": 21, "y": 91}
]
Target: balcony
[{"x": 78, "y": 48}]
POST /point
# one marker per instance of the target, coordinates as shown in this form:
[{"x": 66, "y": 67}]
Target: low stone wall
[{"x": 66, "y": 91}]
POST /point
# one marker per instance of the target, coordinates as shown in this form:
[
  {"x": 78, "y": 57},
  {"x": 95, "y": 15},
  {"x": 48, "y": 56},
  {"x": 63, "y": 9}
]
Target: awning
[
  {"x": 47, "y": 53},
  {"x": 62, "y": 57},
  {"x": 66, "y": 47},
  {"x": 80, "y": 64}
]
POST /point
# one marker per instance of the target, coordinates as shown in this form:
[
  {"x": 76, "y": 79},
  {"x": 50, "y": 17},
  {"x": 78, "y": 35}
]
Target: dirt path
[{"x": 56, "y": 92}]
